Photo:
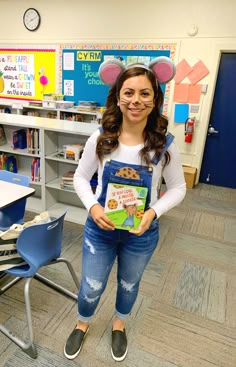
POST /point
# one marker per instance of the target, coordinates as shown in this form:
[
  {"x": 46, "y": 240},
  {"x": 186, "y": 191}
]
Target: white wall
[{"x": 132, "y": 21}]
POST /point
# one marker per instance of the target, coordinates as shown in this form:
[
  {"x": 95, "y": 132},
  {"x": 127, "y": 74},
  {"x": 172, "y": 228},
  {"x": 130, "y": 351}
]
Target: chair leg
[
  {"x": 28, "y": 347},
  {"x": 9, "y": 284},
  {"x": 56, "y": 286}
]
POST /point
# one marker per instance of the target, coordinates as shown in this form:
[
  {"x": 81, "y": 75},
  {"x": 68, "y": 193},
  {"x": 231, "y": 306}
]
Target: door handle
[{"x": 212, "y": 131}]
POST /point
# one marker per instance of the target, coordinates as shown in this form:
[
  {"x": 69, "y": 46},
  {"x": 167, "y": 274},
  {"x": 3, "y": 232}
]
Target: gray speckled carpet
[{"x": 46, "y": 358}]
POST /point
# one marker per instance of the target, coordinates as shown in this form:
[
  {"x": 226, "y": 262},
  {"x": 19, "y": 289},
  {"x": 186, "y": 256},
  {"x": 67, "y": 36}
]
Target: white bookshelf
[
  {"x": 73, "y": 114},
  {"x": 53, "y": 134}
]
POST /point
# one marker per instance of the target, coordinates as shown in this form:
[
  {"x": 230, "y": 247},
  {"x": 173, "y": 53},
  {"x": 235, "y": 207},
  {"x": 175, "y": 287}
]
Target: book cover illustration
[{"x": 125, "y": 205}]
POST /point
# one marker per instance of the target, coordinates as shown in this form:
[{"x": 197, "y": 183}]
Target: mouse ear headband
[{"x": 162, "y": 67}]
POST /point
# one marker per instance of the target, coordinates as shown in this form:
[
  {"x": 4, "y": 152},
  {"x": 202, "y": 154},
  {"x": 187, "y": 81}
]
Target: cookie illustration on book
[
  {"x": 128, "y": 172},
  {"x": 139, "y": 213},
  {"x": 118, "y": 186},
  {"x": 112, "y": 204}
]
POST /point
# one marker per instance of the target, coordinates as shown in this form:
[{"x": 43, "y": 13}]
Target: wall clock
[{"x": 31, "y": 19}]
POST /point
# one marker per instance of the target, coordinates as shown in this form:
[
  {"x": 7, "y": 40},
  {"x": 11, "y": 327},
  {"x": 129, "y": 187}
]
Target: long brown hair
[{"x": 156, "y": 127}]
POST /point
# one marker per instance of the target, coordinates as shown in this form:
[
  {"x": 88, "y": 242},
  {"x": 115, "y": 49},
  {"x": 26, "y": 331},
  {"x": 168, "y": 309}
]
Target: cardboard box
[{"x": 190, "y": 174}]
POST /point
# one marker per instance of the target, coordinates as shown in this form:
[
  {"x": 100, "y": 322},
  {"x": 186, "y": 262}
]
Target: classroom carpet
[{"x": 184, "y": 315}]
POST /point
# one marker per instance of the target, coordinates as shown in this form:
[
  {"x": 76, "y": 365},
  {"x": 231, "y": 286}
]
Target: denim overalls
[{"x": 101, "y": 248}]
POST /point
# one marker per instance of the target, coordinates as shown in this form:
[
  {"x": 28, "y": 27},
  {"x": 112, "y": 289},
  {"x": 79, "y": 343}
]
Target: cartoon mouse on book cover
[{"x": 130, "y": 211}]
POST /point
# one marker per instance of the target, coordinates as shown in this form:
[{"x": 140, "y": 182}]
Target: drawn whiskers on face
[
  {"x": 148, "y": 104},
  {"x": 124, "y": 101}
]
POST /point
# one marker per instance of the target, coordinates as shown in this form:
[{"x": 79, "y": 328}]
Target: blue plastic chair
[
  {"x": 15, "y": 212},
  {"x": 39, "y": 245}
]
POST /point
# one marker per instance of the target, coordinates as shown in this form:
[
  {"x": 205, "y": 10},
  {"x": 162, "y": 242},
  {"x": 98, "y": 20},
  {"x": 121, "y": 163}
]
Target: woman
[{"x": 133, "y": 139}]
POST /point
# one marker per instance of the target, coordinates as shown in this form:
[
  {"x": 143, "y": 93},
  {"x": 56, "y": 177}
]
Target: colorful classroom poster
[{"x": 27, "y": 73}]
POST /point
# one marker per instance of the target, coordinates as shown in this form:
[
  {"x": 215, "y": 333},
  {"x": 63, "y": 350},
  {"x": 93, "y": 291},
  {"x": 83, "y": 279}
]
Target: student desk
[{"x": 11, "y": 193}]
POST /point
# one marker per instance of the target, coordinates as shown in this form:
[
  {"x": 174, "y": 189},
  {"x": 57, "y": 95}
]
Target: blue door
[{"x": 218, "y": 165}]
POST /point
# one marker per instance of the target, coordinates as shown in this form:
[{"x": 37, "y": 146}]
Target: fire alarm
[{"x": 193, "y": 30}]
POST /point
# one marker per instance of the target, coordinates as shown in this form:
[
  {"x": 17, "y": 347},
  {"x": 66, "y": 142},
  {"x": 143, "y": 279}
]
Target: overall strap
[{"x": 169, "y": 140}]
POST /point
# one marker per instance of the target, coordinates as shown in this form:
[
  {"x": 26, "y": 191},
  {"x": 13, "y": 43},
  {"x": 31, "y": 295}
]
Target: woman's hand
[
  {"x": 100, "y": 218},
  {"x": 147, "y": 219}
]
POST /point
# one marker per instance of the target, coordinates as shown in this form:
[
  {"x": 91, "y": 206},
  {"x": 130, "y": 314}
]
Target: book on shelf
[
  {"x": 35, "y": 170},
  {"x": 3, "y": 139},
  {"x": 68, "y": 176},
  {"x": 3, "y": 160},
  {"x": 69, "y": 116},
  {"x": 8, "y": 162},
  {"x": 66, "y": 186},
  {"x": 32, "y": 113},
  {"x": 19, "y": 140},
  {"x": 11, "y": 164},
  {"x": 36, "y": 104},
  {"x": 125, "y": 205},
  {"x": 67, "y": 181},
  {"x": 33, "y": 145}
]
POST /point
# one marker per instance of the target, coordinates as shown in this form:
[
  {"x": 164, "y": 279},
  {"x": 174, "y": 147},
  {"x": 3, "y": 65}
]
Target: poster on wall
[
  {"x": 27, "y": 73},
  {"x": 80, "y": 63}
]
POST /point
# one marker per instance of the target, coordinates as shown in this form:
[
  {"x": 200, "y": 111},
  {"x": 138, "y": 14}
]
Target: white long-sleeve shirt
[{"x": 172, "y": 173}]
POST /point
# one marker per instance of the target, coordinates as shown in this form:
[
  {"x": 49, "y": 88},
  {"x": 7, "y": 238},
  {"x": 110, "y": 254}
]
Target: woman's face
[{"x": 136, "y": 98}]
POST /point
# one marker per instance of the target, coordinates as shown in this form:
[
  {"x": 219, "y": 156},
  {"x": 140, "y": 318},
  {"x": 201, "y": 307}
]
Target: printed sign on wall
[{"x": 27, "y": 74}]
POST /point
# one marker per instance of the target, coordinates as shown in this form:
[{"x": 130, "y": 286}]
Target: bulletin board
[
  {"x": 27, "y": 74},
  {"x": 79, "y": 66}
]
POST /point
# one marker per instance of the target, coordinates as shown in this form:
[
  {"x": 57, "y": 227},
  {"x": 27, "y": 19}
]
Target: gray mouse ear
[
  {"x": 109, "y": 71},
  {"x": 163, "y": 68}
]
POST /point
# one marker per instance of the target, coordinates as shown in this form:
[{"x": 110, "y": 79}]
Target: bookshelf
[
  {"x": 53, "y": 134},
  {"x": 49, "y": 111}
]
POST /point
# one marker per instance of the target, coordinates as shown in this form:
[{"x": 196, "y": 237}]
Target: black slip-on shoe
[
  {"x": 119, "y": 346},
  {"x": 74, "y": 343}
]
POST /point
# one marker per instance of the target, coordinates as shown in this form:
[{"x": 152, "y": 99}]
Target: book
[
  {"x": 3, "y": 160},
  {"x": 68, "y": 187},
  {"x": 32, "y": 141},
  {"x": 36, "y": 141},
  {"x": 125, "y": 205},
  {"x": 68, "y": 176},
  {"x": 3, "y": 139},
  {"x": 11, "y": 164},
  {"x": 19, "y": 140},
  {"x": 35, "y": 170}
]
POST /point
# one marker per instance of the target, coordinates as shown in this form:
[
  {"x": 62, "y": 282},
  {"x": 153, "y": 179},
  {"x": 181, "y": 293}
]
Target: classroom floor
[{"x": 185, "y": 315}]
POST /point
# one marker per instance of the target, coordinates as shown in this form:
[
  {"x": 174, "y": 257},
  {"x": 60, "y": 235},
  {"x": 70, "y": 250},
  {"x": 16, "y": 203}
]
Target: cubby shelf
[{"x": 53, "y": 134}]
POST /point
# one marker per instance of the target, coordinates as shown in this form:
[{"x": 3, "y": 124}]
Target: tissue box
[{"x": 190, "y": 174}]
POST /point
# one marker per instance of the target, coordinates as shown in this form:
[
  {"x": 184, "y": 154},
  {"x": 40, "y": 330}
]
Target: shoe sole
[
  {"x": 119, "y": 359},
  {"x": 73, "y": 356}
]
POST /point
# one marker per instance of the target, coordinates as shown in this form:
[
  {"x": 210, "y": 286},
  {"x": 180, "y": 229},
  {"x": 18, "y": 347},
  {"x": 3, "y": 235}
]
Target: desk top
[{"x": 10, "y": 193}]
